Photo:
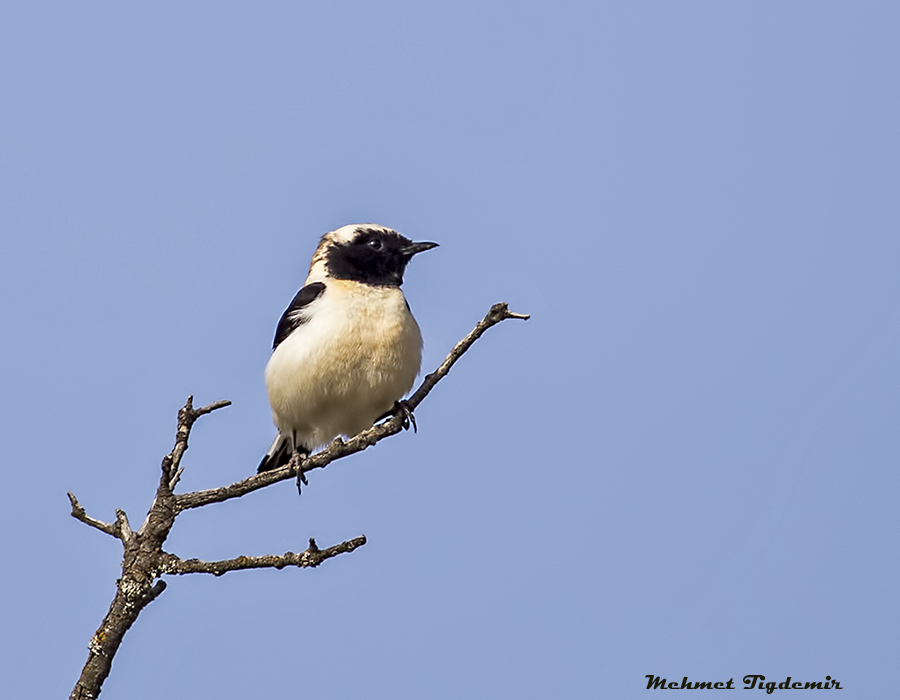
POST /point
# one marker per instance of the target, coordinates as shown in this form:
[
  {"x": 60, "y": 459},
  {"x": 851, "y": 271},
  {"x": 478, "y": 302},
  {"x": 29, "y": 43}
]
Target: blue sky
[{"x": 685, "y": 463}]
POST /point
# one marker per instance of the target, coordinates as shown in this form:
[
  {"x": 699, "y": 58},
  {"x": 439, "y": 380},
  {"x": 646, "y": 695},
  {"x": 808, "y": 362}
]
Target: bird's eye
[{"x": 375, "y": 244}]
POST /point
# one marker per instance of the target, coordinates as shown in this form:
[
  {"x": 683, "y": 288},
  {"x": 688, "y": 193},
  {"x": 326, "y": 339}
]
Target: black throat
[{"x": 374, "y": 256}]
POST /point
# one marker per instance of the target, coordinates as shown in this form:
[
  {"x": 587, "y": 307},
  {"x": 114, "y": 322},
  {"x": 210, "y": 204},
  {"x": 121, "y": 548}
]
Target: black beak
[{"x": 414, "y": 248}]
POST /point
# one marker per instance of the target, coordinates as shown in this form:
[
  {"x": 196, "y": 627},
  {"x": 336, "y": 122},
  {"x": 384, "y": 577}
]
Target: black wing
[{"x": 291, "y": 319}]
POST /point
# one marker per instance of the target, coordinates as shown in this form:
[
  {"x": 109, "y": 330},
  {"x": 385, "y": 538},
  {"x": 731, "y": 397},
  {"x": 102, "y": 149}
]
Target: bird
[{"x": 347, "y": 348}]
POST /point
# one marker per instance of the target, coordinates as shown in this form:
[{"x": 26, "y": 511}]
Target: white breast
[{"x": 358, "y": 352}]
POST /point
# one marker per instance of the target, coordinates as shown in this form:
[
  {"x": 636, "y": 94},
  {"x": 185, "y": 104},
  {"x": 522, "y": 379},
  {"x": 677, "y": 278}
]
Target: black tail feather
[{"x": 278, "y": 457}]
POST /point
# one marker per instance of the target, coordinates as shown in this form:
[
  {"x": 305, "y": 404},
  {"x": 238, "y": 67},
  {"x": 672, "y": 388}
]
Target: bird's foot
[
  {"x": 402, "y": 408},
  {"x": 297, "y": 463}
]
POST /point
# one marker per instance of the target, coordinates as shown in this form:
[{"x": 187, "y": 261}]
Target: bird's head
[{"x": 366, "y": 253}]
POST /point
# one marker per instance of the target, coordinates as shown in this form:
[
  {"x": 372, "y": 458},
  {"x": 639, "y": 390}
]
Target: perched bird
[{"x": 347, "y": 348}]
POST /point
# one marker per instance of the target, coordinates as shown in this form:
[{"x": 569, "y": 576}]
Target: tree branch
[
  {"x": 498, "y": 313},
  {"x": 144, "y": 561},
  {"x": 312, "y": 557},
  {"x": 187, "y": 416},
  {"x": 79, "y": 514},
  {"x": 338, "y": 447}
]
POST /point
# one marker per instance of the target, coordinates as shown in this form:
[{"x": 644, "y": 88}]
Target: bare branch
[
  {"x": 187, "y": 416},
  {"x": 79, "y": 514},
  {"x": 164, "y": 504},
  {"x": 209, "y": 408},
  {"x": 155, "y": 590},
  {"x": 339, "y": 448},
  {"x": 310, "y": 558},
  {"x": 124, "y": 527},
  {"x": 195, "y": 499},
  {"x": 144, "y": 560},
  {"x": 173, "y": 482},
  {"x": 498, "y": 313}
]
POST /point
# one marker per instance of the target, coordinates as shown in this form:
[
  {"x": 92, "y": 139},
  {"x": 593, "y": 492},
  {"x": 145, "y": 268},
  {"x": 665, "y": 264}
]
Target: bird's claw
[
  {"x": 401, "y": 408},
  {"x": 296, "y": 463}
]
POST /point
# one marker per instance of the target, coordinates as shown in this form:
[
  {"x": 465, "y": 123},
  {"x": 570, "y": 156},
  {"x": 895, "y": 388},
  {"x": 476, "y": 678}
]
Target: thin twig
[
  {"x": 187, "y": 416},
  {"x": 309, "y": 558},
  {"x": 123, "y": 525},
  {"x": 79, "y": 514},
  {"x": 164, "y": 502},
  {"x": 498, "y": 313}
]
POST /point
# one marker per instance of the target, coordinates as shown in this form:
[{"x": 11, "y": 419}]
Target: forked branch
[{"x": 144, "y": 560}]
